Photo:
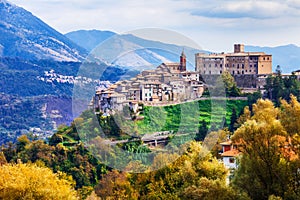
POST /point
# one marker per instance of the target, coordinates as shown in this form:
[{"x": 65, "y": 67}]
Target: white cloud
[
  {"x": 247, "y": 9},
  {"x": 213, "y": 24}
]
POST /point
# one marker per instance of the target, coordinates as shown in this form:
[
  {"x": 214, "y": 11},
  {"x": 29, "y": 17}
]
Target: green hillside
[{"x": 189, "y": 115}]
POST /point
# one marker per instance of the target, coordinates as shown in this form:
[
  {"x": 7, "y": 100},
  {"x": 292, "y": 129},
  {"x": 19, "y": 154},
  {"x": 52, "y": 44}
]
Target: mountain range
[
  {"x": 286, "y": 56},
  {"x": 129, "y": 51}
]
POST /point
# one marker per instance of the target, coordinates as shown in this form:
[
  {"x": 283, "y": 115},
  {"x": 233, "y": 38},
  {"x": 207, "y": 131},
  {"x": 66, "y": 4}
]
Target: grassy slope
[{"x": 187, "y": 115}]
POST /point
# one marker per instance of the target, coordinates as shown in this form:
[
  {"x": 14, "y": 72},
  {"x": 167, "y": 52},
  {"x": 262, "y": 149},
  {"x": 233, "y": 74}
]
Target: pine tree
[{"x": 233, "y": 120}]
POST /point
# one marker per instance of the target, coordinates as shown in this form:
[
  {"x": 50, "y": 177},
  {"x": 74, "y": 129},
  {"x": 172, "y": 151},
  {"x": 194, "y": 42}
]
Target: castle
[
  {"x": 249, "y": 69},
  {"x": 172, "y": 83},
  {"x": 239, "y": 62}
]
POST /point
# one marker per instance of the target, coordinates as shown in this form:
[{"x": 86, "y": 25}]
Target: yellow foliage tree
[
  {"x": 290, "y": 115},
  {"x": 269, "y": 160},
  {"x": 28, "y": 181}
]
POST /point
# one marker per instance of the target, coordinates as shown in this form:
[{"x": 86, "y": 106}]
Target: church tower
[{"x": 182, "y": 62}]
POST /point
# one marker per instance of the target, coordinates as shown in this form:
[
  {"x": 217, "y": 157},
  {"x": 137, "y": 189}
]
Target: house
[{"x": 229, "y": 154}]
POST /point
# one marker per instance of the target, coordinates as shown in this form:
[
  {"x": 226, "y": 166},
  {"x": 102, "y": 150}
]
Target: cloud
[
  {"x": 212, "y": 23},
  {"x": 247, "y": 9}
]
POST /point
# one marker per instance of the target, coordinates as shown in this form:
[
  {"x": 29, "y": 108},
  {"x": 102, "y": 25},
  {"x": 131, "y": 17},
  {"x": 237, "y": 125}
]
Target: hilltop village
[
  {"x": 171, "y": 83},
  {"x": 168, "y": 83}
]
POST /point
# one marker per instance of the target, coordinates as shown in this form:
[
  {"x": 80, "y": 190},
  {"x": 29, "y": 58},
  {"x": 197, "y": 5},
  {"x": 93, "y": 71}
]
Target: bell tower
[{"x": 182, "y": 67}]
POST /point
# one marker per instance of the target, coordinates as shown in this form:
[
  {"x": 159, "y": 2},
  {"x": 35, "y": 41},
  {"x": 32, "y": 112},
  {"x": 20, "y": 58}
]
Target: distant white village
[{"x": 52, "y": 77}]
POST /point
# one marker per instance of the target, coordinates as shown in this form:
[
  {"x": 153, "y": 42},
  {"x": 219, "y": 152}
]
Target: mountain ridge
[
  {"x": 140, "y": 53},
  {"x": 26, "y": 36}
]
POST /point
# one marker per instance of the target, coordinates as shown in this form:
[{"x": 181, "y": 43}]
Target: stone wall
[{"x": 242, "y": 80}]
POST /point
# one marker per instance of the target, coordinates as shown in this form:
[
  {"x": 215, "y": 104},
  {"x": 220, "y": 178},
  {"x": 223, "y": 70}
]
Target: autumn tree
[
  {"x": 2, "y": 158},
  {"x": 115, "y": 185},
  {"x": 195, "y": 170},
  {"x": 290, "y": 115},
  {"x": 28, "y": 181},
  {"x": 268, "y": 162}
]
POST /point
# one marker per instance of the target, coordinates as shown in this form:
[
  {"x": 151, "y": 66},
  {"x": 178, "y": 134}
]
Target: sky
[{"x": 215, "y": 25}]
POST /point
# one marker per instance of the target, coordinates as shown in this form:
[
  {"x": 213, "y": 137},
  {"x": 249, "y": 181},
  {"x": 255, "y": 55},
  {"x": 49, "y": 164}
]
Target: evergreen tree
[
  {"x": 203, "y": 129},
  {"x": 233, "y": 120}
]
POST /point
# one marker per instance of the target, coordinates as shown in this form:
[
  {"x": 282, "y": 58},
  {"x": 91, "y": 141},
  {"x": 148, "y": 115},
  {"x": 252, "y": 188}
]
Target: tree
[
  {"x": 28, "y": 181},
  {"x": 278, "y": 87},
  {"x": 22, "y": 141},
  {"x": 193, "y": 175},
  {"x": 210, "y": 190},
  {"x": 202, "y": 132},
  {"x": 230, "y": 85},
  {"x": 244, "y": 117},
  {"x": 2, "y": 159},
  {"x": 233, "y": 120},
  {"x": 290, "y": 115},
  {"x": 268, "y": 158},
  {"x": 115, "y": 185},
  {"x": 56, "y": 139}
]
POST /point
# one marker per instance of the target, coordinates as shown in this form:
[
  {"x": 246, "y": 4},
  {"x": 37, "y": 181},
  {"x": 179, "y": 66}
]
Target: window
[
  {"x": 221, "y": 65},
  {"x": 216, "y": 65},
  {"x": 238, "y": 66},
  {"x": 242, "y": 72},
  {"x": 232, "y": 65},
  {"x": 220, "y": 72},
  {"x": 250, "y": 65},
  {"x": 231, "y": 160},
  {"x": 243, "y": 66}
]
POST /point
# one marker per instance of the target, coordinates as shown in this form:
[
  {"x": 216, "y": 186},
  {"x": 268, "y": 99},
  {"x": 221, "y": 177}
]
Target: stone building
[
  {"x": 238, "y": 62},
  {"x": 168, "y": 83},
  {"x": 249, "y": 69}
]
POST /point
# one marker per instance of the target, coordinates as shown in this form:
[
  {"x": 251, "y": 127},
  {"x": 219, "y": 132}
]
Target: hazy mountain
[
  {"x": 26, "y": 36},
  {"x": 88, "y": 39},
  {"x": 139, "y": 53},
  {"x": 287, "y": 56}
]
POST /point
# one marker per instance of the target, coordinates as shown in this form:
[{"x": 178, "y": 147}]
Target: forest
[
  {"x": 267, "y": 136},
  {"x": 265, "y": 132}
]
